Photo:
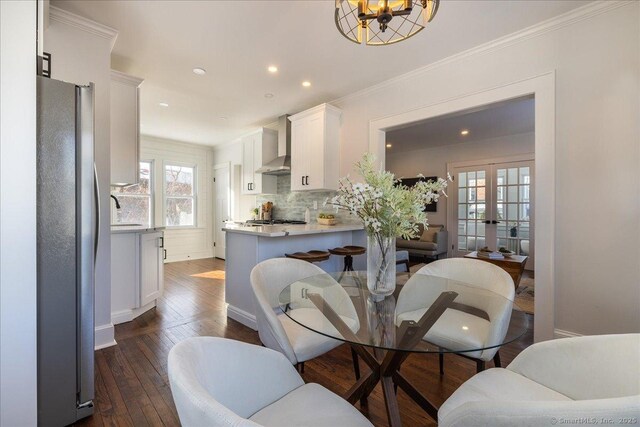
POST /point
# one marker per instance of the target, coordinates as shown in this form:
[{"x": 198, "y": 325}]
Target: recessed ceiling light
[
  {"x": 199, "y": 71},
  {"x": 272, "y": 69},
  {"x": 306, "y": 83},
  {"x": 464, "y": 132},
  {"x": 163, "y": 104},
  {"x": 268, "y": 95},
  {"x": 389, "y": 145}
]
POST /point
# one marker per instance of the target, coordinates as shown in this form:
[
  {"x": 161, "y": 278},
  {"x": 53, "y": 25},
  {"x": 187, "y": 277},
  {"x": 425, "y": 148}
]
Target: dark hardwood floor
[{"x": 132, "y": 387}]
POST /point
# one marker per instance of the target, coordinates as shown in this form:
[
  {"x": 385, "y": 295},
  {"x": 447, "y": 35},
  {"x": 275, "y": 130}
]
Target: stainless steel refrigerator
[{"x": 67, "y": 224}]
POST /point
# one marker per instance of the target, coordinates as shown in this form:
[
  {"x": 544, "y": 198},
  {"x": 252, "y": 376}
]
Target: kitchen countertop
[
  {"x": 134, "y": 229},
  {"x": 291, "y": 229}
]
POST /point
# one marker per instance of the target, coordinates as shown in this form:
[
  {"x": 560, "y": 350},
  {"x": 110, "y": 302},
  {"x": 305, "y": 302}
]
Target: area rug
[{"x": 525, "y": 294}]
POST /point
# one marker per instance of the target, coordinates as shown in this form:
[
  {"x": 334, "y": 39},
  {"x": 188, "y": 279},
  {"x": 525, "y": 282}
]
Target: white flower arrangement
[{"x": 386, "y": 207}]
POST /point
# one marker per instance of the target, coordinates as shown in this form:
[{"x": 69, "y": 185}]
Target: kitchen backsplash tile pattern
[{"x": 291, "y": 205}]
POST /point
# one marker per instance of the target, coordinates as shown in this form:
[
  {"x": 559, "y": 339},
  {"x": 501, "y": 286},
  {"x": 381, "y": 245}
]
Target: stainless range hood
[{"x": 281, "y": 165}]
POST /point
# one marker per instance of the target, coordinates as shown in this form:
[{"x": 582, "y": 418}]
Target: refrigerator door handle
[{"x": 96, "y": 236}]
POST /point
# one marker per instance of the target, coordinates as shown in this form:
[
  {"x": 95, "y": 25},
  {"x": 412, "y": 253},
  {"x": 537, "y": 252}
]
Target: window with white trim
[
  {"x": 135, "y": 200},
  {"x": 180, "y": 195}
]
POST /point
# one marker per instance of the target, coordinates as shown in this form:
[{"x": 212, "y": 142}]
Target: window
[
  {"x": 135, "y": 200},
  {"x": 180, "y": 195}
]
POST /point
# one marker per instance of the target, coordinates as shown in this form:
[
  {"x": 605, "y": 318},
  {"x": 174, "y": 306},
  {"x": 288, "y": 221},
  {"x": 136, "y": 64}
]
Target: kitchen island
[{"x": 248, "y": 246}]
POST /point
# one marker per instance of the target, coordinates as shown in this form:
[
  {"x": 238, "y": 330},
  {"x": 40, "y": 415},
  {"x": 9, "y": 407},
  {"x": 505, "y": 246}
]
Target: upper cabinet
[
  {"x": 258, "y": 149},
  {"x": 125, "y": 128},
  {"x": 315, "y": 149}
]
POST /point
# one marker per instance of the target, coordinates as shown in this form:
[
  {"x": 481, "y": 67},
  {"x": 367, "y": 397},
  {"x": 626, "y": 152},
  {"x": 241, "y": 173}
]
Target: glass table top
[{"x": 427, "y": 314}]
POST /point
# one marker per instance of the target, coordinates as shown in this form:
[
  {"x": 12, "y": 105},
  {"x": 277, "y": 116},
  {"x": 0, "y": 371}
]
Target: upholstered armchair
[
  {"x": 227, "y": 383},
  {"x": 277, "y": 330},
  {"x": 449, "y": 331},
  {"x": 554, "y": 383}
]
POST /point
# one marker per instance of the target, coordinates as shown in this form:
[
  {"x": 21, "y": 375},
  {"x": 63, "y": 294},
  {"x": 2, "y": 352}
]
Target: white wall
[
  {"x": 596, "y": 57},
  {"x": 81, "y": 53},
  {"x": 185, "y": 243},
  {"x": 433, "y": 161},
  {"x": 18, "y": 393}
]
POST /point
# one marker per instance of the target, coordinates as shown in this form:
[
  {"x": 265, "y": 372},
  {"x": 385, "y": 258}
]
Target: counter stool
[
  {"x": 311, "y": 256},
  {"x": 348, "y": 252}
]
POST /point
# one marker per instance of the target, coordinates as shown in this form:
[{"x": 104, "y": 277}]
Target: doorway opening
[{"x": 542, "y": 89}]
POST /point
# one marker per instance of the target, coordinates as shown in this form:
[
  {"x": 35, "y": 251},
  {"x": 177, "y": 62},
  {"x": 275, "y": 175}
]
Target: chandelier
[{"x": 391, "y": 20}]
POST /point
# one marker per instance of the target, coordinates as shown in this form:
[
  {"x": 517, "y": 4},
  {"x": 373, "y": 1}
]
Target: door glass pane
[
  {"x": 481, "y": 211},
  {"x": 512, "y": 176},
  {"x": 502, "y": 230},
  {"x": 462, "y": 195},
  {"x": 523, "y": 230},
  {"x": 524, "y": 212},
  {"x": 472, "y": 194},
  {"x": 512, "y": 212},
  {"x": 512, "y": 193},
  {"x": 462, "y": 243},
  {"x": 462, "y": 179},
  {"x": 471, "y": 179},
  {"x": 525, "y": 177},
  {"x": 462, "y": 228},
  {"x": 471, "y": 228},
  {"x": 524, "y": 193},
  {"x": 481, "y": 194},
  {"x": 500, "y": 194},
  {"x": 500, "y": 212},
  {"x": 501, "y": 177},
  {"x": 481, "y": 228},
  {"x": 472, "y": 211},
  {"x": 462, "y": 211}
]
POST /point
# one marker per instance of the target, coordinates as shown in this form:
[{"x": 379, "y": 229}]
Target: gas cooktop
[{"x": 273, "y": 221}]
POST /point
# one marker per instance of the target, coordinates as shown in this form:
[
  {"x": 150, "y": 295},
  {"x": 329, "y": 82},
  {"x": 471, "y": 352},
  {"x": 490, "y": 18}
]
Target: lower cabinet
[
  {"x": 151, "y": 267},
  {"x": 137, "y": 273}
]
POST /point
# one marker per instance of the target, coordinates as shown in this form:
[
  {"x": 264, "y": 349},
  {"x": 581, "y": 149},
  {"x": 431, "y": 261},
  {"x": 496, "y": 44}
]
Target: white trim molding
[
  {"x": 80, "y": 22},
  {"x": 557, "y": 22},
  {"x": 104, "y": 336},
  {"x": 247, "y": 319},
  {"x": 542, "y": 88}
]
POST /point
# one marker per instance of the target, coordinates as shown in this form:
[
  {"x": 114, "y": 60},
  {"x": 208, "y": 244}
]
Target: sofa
[{"x": 431, "y": 243}]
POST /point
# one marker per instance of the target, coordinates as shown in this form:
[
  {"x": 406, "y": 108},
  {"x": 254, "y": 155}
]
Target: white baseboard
[
  {"x": 242, "y": 316},
  {"x": 188, "y": 256},
  {"x": 104, "y": 336},
  {"x": 124, "y": 316},
  {"x": 559, "y": 333}
]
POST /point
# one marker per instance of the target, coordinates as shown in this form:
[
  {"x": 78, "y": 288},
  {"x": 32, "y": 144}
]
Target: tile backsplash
[{"x": 291, "y": 205}]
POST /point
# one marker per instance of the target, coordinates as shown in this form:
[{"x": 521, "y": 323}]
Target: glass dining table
[{"x": 418, "y": 317}]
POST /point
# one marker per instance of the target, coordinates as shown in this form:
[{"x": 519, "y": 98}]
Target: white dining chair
[
  {"x": 457, "y": 330},
  {"x": 218, "y": 382},
  {"x": 582, "y": 380},
  {"x": 278, "y": 331}
]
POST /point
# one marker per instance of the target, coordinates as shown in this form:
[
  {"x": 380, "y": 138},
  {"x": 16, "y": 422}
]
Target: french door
[{"x": 494, "y": 208}]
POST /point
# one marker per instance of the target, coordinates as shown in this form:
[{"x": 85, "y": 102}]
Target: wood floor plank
[{"x": 132, "y": 385}]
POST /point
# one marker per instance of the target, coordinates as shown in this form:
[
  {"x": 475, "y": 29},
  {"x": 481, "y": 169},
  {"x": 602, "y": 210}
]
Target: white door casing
[
  {"x": 221, "y": 209},
  {"x": 542, "y": 87}
]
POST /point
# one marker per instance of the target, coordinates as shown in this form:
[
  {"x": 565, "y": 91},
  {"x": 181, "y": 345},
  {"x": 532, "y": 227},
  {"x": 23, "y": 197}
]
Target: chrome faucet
[{"x": 117, "y": 202}]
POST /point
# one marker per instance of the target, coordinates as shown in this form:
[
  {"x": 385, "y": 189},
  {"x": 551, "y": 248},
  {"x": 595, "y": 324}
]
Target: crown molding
[
  {"x": 120, "y": 77},
  {"x": 65, "y": 17},
  {"x": 576, "y": 15}
]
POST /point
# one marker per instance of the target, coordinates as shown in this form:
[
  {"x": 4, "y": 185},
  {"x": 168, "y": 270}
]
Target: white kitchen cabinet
[
  {"x": 125, "y": 128},
  {"x": 151, "y": 267},
  {"x": 258, "y": 149},
  {"x": 137, "y": 272},
  {"x": 315, "y": 149}
]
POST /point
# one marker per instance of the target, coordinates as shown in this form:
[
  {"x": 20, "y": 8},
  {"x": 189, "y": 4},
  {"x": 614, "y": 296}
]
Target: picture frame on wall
[{"x": 410, "y": 182}]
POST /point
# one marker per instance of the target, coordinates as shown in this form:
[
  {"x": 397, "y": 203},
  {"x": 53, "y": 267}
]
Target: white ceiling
[
  {"x": 494, "y": 121},
  {"x": 235, "y": 41}
]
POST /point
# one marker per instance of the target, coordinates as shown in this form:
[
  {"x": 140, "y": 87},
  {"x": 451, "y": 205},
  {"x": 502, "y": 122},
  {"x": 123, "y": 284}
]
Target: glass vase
[{"x": 381, "y": 264}]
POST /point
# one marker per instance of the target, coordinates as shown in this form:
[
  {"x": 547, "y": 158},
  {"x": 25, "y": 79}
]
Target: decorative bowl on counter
[{"x": 327, "y": 219}]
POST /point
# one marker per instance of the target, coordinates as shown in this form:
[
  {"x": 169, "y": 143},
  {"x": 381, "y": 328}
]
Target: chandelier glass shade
[{"x": 383, "y": 22}]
